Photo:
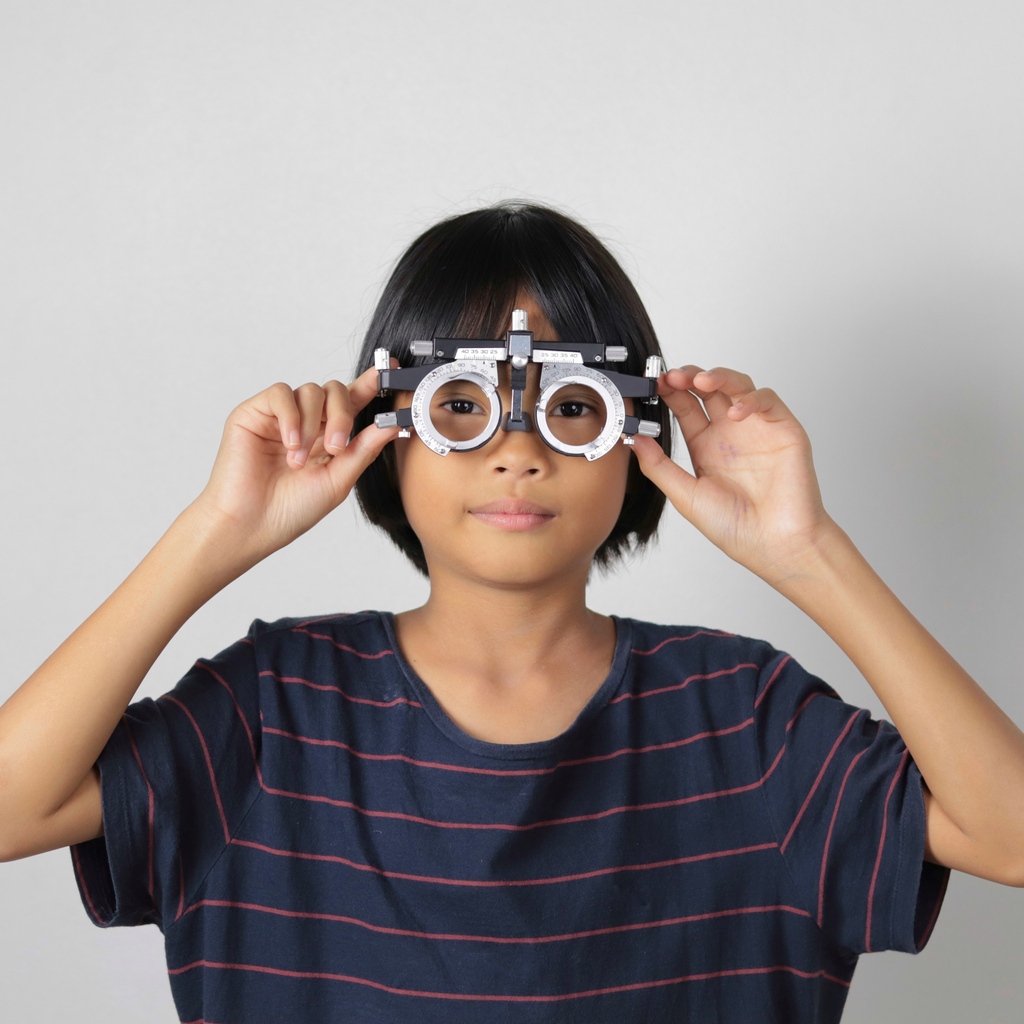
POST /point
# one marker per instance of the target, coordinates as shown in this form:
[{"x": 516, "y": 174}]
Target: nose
[{"x": 519, "y": 452}]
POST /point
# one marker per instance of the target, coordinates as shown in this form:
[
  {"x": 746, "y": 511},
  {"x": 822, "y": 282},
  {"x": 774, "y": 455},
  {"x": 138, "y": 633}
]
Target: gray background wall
[{"x": 200, "y": 199}]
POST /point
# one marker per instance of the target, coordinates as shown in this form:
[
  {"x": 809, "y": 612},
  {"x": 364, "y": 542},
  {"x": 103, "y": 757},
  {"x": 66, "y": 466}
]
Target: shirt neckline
[{"x": 516, "y": 751}]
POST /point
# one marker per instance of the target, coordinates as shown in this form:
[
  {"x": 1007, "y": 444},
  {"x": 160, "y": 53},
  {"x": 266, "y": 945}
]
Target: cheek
[
  {"x": 601, "y": 490},
  {"x": 430, "y": 486}
]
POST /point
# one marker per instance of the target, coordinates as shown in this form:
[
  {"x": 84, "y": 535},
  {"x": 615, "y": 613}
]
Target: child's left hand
[{"x": 755, "y": 493}]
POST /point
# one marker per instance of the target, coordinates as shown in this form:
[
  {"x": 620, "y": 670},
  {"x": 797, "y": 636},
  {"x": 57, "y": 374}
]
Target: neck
[{"x": 503, "y": 632}]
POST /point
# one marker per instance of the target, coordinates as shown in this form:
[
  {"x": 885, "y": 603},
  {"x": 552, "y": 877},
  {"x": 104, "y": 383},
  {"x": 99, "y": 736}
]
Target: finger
[
  {"x": 728, "y": 386},
  {"x": 339, "y": 416},
  {"x": 309, "y": 398},
  {"x": 763, "y": 401},
  {"x": 685, "y": 406},
  {"x": 346, "y": 467},
  {"x": 668, "y": 476},
  {"x": 364, "y": 388},
  {"x": 683, "y": 379},
  {"x": 343, "y": 403},
  {"x": 285, "y": 409}
]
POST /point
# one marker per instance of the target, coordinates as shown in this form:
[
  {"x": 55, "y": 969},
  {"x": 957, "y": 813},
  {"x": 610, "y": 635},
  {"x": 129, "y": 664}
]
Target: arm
[
  {"x": 755, "y": 495},
  {"x": 276, "y": 475},
  {"x": 970, "y": 753},
  {"x": 54, "y": 726}
]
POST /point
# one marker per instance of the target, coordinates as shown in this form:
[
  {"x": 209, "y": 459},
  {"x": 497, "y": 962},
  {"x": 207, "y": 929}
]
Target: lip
[
  {"x": 513, "y": 514},
  {"x": 512, "y": 506}
]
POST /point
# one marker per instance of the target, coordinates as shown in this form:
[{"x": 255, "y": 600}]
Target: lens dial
[
  {"x": 456, "y": 407},
  {"x": 579, "y": 412}
]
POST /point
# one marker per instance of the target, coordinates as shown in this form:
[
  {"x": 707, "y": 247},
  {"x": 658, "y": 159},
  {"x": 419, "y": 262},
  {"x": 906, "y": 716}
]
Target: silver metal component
[
  {"x": 543, "y": 355},
  {"x": 484, "y": 374},
  {"x": 479, "y": 365},
  {"x": 517, "y": 404},
  {"x": 490, "y": 354},
  {"x": 554, "y": 378}
]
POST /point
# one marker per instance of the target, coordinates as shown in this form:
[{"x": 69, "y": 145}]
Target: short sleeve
[
  {"x": 177, "y": 776},
  {"x": 845, "y": 800}
]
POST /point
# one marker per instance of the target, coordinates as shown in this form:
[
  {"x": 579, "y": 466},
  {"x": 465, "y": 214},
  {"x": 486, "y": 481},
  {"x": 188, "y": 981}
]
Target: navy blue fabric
[{"x": 717, "y": 837}]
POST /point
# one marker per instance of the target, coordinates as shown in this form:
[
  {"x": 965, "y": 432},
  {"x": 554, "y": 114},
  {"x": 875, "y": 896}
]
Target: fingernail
[
  {"x": 299, "y": 457},
  {"x": 294, "y": 439},
  {"x": 338, "y": 441}
]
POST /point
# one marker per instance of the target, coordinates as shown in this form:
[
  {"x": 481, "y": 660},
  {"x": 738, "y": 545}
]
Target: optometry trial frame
[{"x": 567, "y": 418}]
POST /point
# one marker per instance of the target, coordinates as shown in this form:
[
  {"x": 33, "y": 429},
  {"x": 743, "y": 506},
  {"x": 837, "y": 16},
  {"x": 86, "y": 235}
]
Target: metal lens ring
[
  {"x": 553, "y": 379},
  {"x": 484, "y": 375}
]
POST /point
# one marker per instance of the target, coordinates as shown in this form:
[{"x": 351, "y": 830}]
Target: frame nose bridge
[{"x": 519, "y": 391}]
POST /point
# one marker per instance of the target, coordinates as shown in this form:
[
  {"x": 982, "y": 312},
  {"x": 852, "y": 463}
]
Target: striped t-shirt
[{"x": 715, "y": 838}]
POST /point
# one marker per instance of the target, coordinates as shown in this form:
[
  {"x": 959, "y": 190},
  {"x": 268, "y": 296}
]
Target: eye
[
  {"x": 462, "y": 406},
  {"x": 573, "y": 407}
]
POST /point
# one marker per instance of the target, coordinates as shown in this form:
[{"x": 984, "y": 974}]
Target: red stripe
[
  {"x": 245, "y": 723},
  {"x": 510, "y": 771},
  {"x": 149, "y": 788},
  {"x": 465, "y": 996},
  {"x": 338, "y": 689},
  {"x": 503, "y": 827},
  {"x": 775, "y": 675},
  {"x": 679, "y": 686},
  {"x": 676, "y": 639},
  {"x": 881, "y": 845},
  {"x": 85, "y": 888},
  {"x": 821, "y": 772},
  {"x": 799, "y": 710},
  {"x": 209, "y": 763},
  {"x": 494, "y": 884},
  {"x": 828, "y": 838},
  {"x": 342, "y": 647},
  {"x": 326, "y": 618},
  {"x": 504, "y": 940},
  {"x": 181, "y": 898}
]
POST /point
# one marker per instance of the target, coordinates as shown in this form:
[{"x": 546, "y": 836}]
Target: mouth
[{"x": 513, "y": 514}]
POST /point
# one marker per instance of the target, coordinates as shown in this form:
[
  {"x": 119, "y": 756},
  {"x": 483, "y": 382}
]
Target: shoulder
[
  {"x": 325, "y": 645},
  {"x": 297, "y": 632},
  {"x": 664, "y": 646}
]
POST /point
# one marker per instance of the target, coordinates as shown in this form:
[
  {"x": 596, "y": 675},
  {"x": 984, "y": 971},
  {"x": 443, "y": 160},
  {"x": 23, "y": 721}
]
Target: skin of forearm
[
  {"x": 969, "y": 752},
  {"x": 54, "y": 726}
]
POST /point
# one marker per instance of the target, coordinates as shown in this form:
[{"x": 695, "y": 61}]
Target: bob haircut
[{"x": 460, "y": 279}]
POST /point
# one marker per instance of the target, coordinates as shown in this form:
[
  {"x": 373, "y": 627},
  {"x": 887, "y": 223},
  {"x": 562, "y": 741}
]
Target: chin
[{"x": 515, "y": 570}]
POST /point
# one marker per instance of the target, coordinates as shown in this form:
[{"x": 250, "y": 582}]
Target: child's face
[{"x": 457, "y": 504}]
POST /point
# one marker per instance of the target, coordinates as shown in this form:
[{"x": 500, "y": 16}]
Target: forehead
[{"x": 536, "y": 320}]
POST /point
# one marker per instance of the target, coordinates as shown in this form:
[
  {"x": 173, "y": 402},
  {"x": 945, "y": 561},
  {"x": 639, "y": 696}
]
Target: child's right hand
[{"x": 283, "y": 463}]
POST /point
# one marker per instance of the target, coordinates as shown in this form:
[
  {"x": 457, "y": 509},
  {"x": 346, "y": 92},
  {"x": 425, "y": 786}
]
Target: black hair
[{"x": 460, "y": 279}]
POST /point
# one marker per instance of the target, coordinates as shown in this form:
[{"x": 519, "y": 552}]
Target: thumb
[
  {"x": 348, "y": 465},
  {"x": 675, "y": 482}
]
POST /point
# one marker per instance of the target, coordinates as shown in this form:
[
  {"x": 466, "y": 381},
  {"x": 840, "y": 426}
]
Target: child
[{"x": 501, "y": 805}]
